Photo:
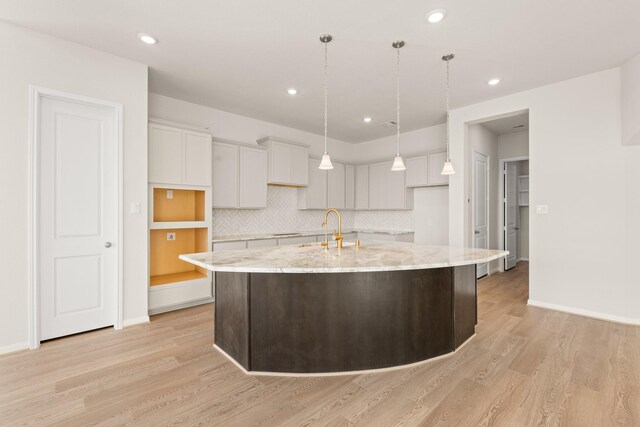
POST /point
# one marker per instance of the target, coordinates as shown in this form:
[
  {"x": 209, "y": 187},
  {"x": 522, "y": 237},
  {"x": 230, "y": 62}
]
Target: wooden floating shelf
[{"x": 165, "y": 279}]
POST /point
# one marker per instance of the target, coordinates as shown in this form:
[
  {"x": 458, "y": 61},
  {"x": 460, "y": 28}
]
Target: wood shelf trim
[{"x": 164, "y": 279}]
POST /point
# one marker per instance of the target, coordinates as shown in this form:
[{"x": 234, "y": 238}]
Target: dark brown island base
[{"x": 326, "y": 321}]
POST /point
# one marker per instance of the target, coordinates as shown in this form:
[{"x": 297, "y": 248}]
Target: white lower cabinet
[
  {"x": 296, "y": 240},
  {"x": 263, "y": 243},
  {"x": 350, "y": 187}
]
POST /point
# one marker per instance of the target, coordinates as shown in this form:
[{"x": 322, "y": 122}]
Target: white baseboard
[
  {"x": 135, "y": 321},
  {"x": 14, "y": 347},
  {"x": 585, "y": 313},
  {"x": 522, "y": 259}
]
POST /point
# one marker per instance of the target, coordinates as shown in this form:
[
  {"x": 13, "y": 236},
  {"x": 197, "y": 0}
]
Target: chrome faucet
[{"x": 337, "y": 236}]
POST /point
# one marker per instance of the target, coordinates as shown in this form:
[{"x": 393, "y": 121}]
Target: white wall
[
  {"x": 513, "y": 145},
  {"x": 241, "y": 128},
  {"x": 583, "y": 250},
  {"x": 631, "y": 101},
  {"x": 37, "y": 59},
  {"x": 485, "y": 142},
  {"x": 411, "y": 144}
]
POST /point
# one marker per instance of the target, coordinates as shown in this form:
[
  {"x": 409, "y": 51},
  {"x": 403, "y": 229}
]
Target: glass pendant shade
[
  {"x": 325, "y": 164},
  {"x": 398, "y": 164},
  {"x": 448, "y": 169}
]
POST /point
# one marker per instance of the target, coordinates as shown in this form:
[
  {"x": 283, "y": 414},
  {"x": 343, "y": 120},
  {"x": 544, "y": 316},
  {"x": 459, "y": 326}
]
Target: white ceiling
[
  {"x": 511, "y": 124},
  {"x": 241, "y": 56}
]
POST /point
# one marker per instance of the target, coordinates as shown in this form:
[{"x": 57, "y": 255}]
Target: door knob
[
  {"x": 517, "y": 228},
  {"x": 476, "y": 232},
  {"x": 107, "y": 244}
]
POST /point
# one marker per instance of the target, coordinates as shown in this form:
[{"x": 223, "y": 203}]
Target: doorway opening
[{"x": 499, "y": 188}]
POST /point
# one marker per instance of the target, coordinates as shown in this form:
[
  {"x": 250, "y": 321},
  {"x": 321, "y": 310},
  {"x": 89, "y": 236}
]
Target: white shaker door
[
  {"x": 480, "y": 207},
  {"x": 77, "y": 217}
]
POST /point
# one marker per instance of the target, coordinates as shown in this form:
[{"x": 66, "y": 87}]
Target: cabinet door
[
  {"x": 396, "y": 190},
  {"x": 196, "y": 158},
  {"x": 362, "y": 187},
  {"x": 316, "y": 191},
  {"x": 165, "y": 155},
  {"x": 225, "y": 175},
  {"x": 436, "y": 161},
  {"x": 280, "y": 158},
  {"x": 350, "y": 187},
  {"x": 299, "y": 162},
  {"x": 253, "y": 178},
  {"x": 416, "y": 173},
  {"x": 378, "y": 185},
  {"x": 336, "y": 186}
]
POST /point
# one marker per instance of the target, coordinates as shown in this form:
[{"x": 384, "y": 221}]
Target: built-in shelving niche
[
  {"x": 165, "y": 266},
  {"x": 178, "y": 227}
]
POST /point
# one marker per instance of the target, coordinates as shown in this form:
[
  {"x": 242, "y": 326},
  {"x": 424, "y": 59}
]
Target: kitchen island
[{"x": 306, "y": 309}]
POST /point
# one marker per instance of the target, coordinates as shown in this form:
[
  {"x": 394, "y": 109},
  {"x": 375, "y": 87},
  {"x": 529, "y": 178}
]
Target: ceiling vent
[{"x": 390, "y": 123}]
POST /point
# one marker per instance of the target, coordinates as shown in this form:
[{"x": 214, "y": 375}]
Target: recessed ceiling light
[
  {"x": 494, "y": 82},
  {"x": 292, "y": 91},
  {"x": 147, "y": 38},
  {"x": 436, "y": 16},
  {"x": 367, "y": 120}
]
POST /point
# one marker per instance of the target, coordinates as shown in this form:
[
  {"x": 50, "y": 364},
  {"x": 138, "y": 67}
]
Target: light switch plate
[
  {"x": 171, "y": 236},
  {"x": 134, "y": 208},
  {"x": 169, "y": 194},
  {"x": 542, "y": 209}
]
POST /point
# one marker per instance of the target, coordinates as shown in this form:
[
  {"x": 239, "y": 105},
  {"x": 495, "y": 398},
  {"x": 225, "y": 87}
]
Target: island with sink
[{"x": 335, "y": 308}]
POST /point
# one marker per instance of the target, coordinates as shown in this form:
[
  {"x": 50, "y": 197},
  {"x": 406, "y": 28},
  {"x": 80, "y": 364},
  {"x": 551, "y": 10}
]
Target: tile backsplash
[{"x": 282, "y": 215}]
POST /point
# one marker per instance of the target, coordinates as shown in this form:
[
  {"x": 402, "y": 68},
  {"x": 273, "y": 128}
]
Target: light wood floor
[{"x": 525, "y": 367}]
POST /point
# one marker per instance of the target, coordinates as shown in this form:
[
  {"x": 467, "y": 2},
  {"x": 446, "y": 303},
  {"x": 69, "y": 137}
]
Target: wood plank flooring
[{"x": 526, "y": 367}]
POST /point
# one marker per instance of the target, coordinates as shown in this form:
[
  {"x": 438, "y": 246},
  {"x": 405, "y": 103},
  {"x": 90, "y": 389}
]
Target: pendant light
[
  {"x": 398, "y": 164},
  {"x": 448, "y": 169},
  {"x": 325, "y": 164}
]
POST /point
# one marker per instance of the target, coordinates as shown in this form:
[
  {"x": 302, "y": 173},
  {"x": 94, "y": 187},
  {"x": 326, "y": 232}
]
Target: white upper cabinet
[
  {"x": 336, "y": 186},
  {"x": 225, "y": 175},
  {"x": 362, "y": 187},
  {"x": 196, "y": 158},
  {"x": 239, "y": 176},
  {"x": 178, "y": 156},
  {"x": 436, "y": 162},
  {"x": 165, "y": 154},
  {"x": 287, "y": 162},
  {"x": 424, "y": 171},
  {"x": 387, "y": 188},
  {"x": 350, "y": 187},
  {"x": 416, "y": 173},
  {"x": 314, "y": 196},
  {"x": 253, "y": 178}
]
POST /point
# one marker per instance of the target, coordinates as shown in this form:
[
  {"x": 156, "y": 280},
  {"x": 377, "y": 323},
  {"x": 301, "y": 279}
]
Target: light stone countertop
[
  {"x": 264, "y": 236},
  {"x": 313, "y": 258}
]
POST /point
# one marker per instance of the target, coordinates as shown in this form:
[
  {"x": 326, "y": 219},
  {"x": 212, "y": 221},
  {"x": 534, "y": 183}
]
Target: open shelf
[
  {"x": 166, "y": 279},
  {"x": 165, "y": 266},
  {"x": 184, "y": 205}
]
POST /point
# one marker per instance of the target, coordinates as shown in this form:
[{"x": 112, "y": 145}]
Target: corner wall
[
  {"x": 31, "y": 58},
  {"x": 583, "y": 250}
]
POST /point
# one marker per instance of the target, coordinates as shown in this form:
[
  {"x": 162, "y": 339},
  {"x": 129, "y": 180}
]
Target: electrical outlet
[
  {"x": 169, "y": 194},
  {"x": 134, "y": 208},
  {"x": 171, "y": 236},
  {"x": 542, "y": 209}
]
